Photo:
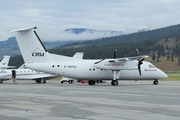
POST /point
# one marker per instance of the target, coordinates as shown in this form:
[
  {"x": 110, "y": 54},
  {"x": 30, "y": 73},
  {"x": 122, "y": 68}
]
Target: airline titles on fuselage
[
  {"x": 2, "y": 72},
  {"x": 111, "y": 64}
]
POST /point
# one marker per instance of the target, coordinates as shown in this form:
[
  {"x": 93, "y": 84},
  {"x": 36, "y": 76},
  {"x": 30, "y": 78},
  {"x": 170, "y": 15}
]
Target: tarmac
[{"x": 130, "y": 100}]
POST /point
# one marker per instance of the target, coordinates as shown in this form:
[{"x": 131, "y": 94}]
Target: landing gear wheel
[
  {"x": 156, "y": 82},
  {"x": 71, "y": 81},
  {"x": 39, "y": 81},
  {"x": 114, "y": 82},
  {"x": 91, "y": 82},
  {"x": 44, "y": 81}
]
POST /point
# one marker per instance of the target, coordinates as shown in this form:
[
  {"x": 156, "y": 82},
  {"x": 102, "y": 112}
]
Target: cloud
[{"x": 52, "y": 17}]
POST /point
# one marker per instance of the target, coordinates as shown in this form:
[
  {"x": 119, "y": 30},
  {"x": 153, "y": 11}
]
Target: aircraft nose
[{"x": 162, "y": 74}]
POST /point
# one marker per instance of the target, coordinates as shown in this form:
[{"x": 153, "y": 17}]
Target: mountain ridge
[{"x": 78, "y": 31}]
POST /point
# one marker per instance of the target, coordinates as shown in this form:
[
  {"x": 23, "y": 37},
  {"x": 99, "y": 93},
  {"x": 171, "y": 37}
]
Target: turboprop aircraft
[{"x": 38, "y": 58}]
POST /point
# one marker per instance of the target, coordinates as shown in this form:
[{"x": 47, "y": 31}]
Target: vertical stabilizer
[
  {"x": 4, "y": 62},
  {"x": 31, "y": 46}
]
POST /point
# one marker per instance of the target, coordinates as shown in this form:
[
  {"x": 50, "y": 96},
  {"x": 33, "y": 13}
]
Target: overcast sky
[{"x": 53, "y": 16}]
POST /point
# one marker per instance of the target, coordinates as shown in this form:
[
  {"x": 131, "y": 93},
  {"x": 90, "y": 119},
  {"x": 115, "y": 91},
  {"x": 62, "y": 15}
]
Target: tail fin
[
  {"x": 31, "y": 46},
  {"x": 4, "y": 62}
]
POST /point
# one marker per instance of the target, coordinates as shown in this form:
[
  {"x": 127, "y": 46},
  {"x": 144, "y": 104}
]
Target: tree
[
  {"x": 157, "y": 59},
  {"x": 168, "y": 56},
  {"x": 178, "y": 59},
  {"x": 159, "y": 55},
  {"x": 167, "y": 47},
  {"x": 153, "y": 56},
  {"x": 172, "y": 56}
]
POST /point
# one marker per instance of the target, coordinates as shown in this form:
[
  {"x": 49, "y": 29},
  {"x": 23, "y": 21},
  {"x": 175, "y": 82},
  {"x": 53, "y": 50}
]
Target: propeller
[
  {"x": 115, "y": 53},
  {"x": 139, "y": 65},
  {"x": 139, "y": 62}
]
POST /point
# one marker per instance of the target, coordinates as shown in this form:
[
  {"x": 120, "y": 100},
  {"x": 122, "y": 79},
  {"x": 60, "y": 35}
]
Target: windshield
[{"x": 151, "y": 66}]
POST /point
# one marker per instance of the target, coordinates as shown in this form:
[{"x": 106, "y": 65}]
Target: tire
[
  {"x": 91, "y": 82},
  {"x": 71, "y": 81},
  {"x": 156, "y": 82},
  {"x": 114, "y": 82}
]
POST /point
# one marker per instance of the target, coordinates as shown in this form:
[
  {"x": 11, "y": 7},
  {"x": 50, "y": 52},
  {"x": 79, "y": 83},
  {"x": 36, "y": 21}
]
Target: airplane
[
  {"x": 25, "y": 74},
  {"x": 38, "y": 58},
  {"x": 21, "y": 73}
]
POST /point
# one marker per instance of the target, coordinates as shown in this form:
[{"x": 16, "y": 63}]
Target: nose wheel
[
  {"x": 114, "y": 82},
  {"x": 156, "y": 82}
]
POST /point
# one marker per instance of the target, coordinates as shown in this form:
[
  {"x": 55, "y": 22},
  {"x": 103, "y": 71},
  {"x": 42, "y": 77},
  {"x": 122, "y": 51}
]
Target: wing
[
  {"x": 125, "y": 59},
  {"x": 126, "y": 63}
]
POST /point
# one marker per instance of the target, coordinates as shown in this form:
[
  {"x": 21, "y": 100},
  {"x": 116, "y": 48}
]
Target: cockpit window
[{"x": 151, "y": 66}]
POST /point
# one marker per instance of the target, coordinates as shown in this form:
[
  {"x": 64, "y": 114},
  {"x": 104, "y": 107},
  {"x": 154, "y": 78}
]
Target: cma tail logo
[{"x": 37, "y": 52}]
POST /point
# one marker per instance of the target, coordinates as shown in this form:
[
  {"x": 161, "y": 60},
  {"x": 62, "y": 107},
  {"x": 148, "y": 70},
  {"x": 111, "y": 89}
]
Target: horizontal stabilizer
[{"x": 24, "y": 29}]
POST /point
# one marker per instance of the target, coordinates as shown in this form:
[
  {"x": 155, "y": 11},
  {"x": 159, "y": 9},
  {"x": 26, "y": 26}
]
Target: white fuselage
[
  {"x": 25, "y": 74},
  {"x": 85, "y": 69}
]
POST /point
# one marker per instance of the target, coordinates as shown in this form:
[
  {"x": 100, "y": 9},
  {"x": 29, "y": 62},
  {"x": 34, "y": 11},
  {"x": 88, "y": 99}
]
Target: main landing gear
[
  {"x": 156, "y": 82},
  {"x": 39, "y": 81},
  {"x": 91, "y": 82},
  {"x": 114, "y": 82}
]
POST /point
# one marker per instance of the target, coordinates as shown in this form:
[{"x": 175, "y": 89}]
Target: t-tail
[
  {"x": 4, "y": 62},
  {"x": 31, "y": 46}
]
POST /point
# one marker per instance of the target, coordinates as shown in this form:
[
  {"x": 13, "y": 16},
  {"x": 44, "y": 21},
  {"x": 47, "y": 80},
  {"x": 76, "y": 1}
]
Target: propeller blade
[
  {"x": 139, "y": 68},
  {"x": 139, "y": 65},
  {"x": 137, "y": 52},
  {"x": 115, "y": 53}
]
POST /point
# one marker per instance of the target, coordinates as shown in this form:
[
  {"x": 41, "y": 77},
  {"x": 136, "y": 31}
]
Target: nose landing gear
[{"x": 156, "y": 82}]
